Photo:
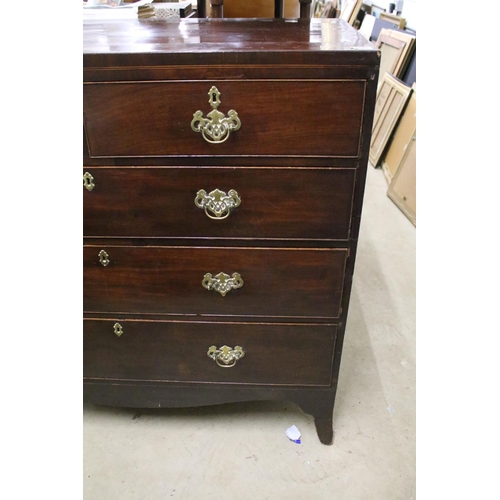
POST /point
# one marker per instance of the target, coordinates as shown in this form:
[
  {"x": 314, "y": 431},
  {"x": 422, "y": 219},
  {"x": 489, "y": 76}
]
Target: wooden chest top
[{"x": 219, "y": 41}]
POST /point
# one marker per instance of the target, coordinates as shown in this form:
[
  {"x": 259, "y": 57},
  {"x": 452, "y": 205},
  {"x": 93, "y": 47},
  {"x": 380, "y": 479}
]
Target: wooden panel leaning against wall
[
  {"x": 373, "y": 28},
  {"x": 400, "y": 161},
  {"x": 397, "y": 50},
  {"x": 350, "y": 10},
  {"x": 391, "y": 101},
  {"x": 402, "y": 190},
  {"x": 401, "y": 138},
  {"x": 407, "y": 53},
  {"x": 391, "y": 51}
]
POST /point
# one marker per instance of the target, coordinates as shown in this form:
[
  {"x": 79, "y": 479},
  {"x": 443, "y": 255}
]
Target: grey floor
[{"x": 240, "y": 451}]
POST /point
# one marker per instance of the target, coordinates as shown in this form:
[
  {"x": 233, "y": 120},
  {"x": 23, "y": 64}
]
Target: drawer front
[
  {"x": 278, "y": 118},
  {"x": 272, "y": 203},
  {"x": 176, "y": 280},
  {"x": 169, "y": 351}
]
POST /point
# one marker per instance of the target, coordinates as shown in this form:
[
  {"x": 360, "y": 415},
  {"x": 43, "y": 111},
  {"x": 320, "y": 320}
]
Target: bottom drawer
[{"x": 281, "y": 354}]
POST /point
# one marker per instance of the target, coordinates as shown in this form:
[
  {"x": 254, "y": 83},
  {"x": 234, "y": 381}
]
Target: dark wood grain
[
  {"x": 277, "y": 118},
  {"x": 217, "y": 242},
  {"x": 211, "y": 41},
  {"x": 321, "y": 408},
  {"x": 218, "y": 161},
  {"x": 276, "y": 203},
  {"x": 169, "y": 281},
  {"x": 204, "y": 318},
  {"x": 371, "y": 93},
  {"x": 315, "y": 401},
  {"x": 238, "y": 71},
  {"x": 163, "y": 351}
]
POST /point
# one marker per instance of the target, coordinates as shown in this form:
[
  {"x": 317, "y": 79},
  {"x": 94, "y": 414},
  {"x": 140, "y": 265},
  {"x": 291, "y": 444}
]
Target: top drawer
[{"x": 278, "y": 118}]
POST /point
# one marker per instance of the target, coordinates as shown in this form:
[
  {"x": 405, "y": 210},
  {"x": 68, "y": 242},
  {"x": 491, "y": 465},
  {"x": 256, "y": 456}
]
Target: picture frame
[
  {"x": 366, "y": 28},
  {"x": 391, "y": 101},
  {"x": 391, "y": 50},
  {"x": 350, "y": 10},
  {"x": 408, "y": 50},
  {"x": 398, "y": 21},
  {"x": 403, "y": 188},
  {"x": 401, "y": 138},
  {"x": 318, "y": 8},
  {"x": 347, "y": 9}
]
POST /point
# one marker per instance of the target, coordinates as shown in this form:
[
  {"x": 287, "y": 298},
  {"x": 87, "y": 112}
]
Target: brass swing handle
[
  {"x": 225, "y": 356},
  {"x": 216, "y": 128},
  {"x": 217, "y": 202}
]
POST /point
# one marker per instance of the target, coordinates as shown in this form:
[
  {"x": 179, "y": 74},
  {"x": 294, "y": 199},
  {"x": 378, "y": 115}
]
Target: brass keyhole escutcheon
[
  {"x": 118, "y": 329},
  {"x": 103, "y": 258},
  {"x": 88, "y": 181}
]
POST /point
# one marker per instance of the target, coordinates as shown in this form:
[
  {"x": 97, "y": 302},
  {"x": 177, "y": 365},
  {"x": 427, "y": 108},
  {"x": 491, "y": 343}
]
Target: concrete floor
[{"x": 240, "y": 451}]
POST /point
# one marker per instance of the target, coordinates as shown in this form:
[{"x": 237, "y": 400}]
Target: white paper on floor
[{"x": 293, "y": 434}]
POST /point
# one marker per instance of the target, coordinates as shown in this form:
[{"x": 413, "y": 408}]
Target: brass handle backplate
[
  {"x": 222, "y": 282},
  {"x": 216, "y": 128},
  {"x": 88, "y": 181},
  {"x": 217, "y": 202},
  {"x": 225, "y": 356}
]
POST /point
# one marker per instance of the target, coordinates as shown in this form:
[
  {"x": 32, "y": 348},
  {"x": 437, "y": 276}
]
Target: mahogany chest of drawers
[{"x": 224, "y": 170}]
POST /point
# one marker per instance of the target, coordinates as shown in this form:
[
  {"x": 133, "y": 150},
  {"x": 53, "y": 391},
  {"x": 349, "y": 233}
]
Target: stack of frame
[
  {"x": 397, "y": 49},
  {"x": 394, "y": 140},
  {"x": 394, "y": 135}
]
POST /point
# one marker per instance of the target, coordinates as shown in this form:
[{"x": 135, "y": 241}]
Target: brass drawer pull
[
  {"x": 216, "y": 128},
  {"x": 103, "y": 258},
  {"x": 225, "y": 356},
  {"x": 88, "y": 181},
  {"x": 222, "y": 283},
  {"x": 118, "y": 329},
  {"x": 217, "y": 202}
]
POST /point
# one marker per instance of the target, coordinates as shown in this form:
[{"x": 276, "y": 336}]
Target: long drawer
[
  {"x": 259, "y": 203},
  {"x": 169, "y": 351},
  {"x": 214, "y": 281},
  {"x": 277, "y": 117}
]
